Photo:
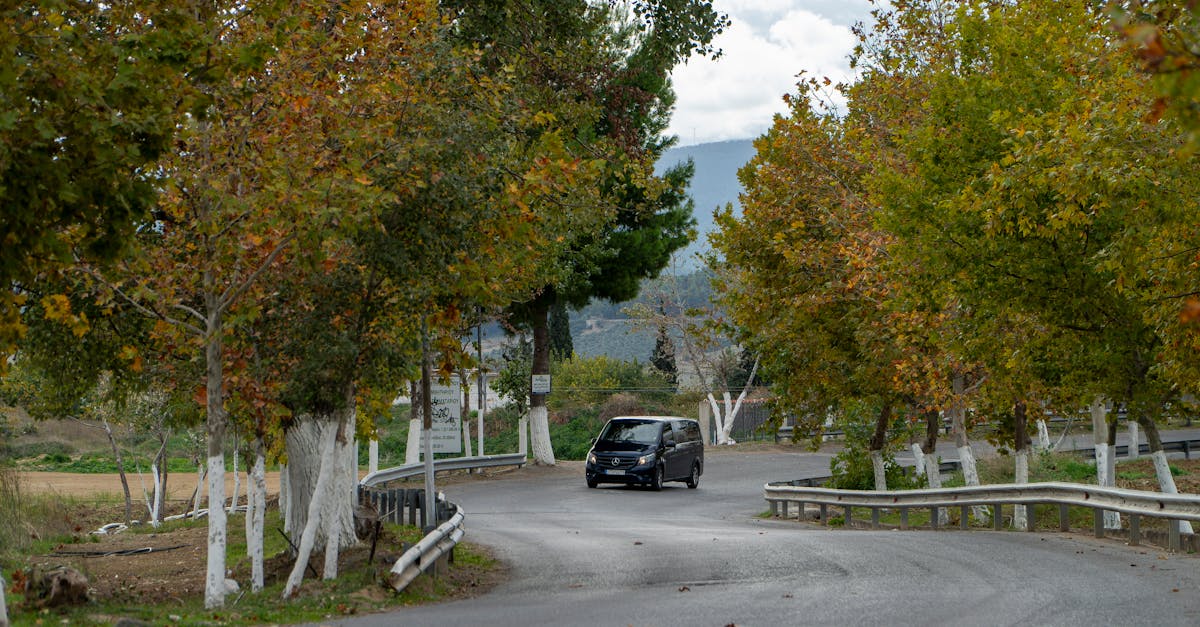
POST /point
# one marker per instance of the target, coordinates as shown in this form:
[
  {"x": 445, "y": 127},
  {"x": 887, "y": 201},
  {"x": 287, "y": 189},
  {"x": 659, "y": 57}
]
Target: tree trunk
[
  {"x": 337, "y": 515},
  {"x": 237, "y": 478},
  {"x": 932, "y": 465},
  {"x": 305, "y": 441},
  {"x": 957, "y": 412},
  {"x": 285, "y": 497},
  {"x": 466, "y": 413},
  {"x": 1105, "y": 464},
  {"x": 256, "y": 514},
  {"x": 198, "y": 495},
  {"x": 312, "y": 519},
  {"x": 918, "y": 460},
  {"x": 112, "y": 441},
  {"x": 3, "y": 605},
  {"x": 876, "y": 445},
  {"x": 539, "y": 418},
  {"x": 1043, "y": 435},
  {"x": 159, "y": 468},
  {"x": 1166, "y": 481},
  {"x": 732, "y": 412},
  {"x": 412, "y": 448},
  {"x": 1021, "y": 455},
  {"x": 373, "y": 456},
  {"x": 214, "y": 581},
  {"x": 1133, "y": 439}
]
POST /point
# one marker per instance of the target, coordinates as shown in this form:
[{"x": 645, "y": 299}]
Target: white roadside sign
[{"x": 446, "y": 435}]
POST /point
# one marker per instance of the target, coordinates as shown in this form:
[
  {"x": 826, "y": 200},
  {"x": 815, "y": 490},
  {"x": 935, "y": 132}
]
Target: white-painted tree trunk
[
  {"x": 1020, "y": 517},
  {"x": 305, "y": 441},
  {"x": 256, "y": 515},
  {"x": 1043, "y": 435},
  {"x": 919, "y": 460},
  {"x": 1106, "y": 477},
  {"x": 337, "y": 515},
  {"x": 880, "y": 470},
  {"x": 1105, "y": 462},
  {"x": 1134, "y": 440},
  {"x": 1166, "y": 483},
  {"x": 934, "y": 474},
  {"x": 3, "y": 605},
  {"x": 539, "y": 436},
  {"x": 373, "y": 456},
  {"x": 308, "y": 537},
  {"x": 214, "y": 581},
  {"x": 962, "y": 443},
  {"x": 718, "y": 420},
  {"x": 237, "y": 481},
  {"x": 156, "y": 509},
  {"x": 966, "y": 459},
  {"x": 285, "y": 497},
  {"x": 198, "y": 501},
  {"x": 412, "y": 447}
]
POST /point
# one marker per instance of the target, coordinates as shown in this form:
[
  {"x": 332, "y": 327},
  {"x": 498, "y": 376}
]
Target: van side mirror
[{"x": 669, "y": 443}]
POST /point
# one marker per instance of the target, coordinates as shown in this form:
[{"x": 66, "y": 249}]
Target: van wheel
[
  {"x": 592, "y": 483},
  {"x": 657, "y": 482},
  {"x": 694, "y": 479}
]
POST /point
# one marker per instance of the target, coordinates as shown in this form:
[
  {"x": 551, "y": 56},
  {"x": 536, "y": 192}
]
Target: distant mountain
[{"x": 714, "y": 185}]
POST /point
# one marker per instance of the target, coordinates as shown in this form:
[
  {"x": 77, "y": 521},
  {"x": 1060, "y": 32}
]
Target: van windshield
[{"x": 641, "y": 432}]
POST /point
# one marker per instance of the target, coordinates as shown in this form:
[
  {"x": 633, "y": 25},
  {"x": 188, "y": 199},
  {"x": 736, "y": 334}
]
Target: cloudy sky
[{"x": 769, "y": 43}]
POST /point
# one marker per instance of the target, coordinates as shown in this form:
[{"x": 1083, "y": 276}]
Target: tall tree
[{"x": 615, "y": 59}]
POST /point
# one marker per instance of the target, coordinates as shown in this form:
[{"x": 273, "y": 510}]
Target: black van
[{"x": 647, "y": 450}]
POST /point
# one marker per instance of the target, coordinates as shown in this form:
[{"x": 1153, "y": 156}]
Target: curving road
[{"x": 623, "y": 556}]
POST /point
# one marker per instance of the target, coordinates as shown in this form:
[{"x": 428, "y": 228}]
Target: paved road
[{"x": 621, "y": 556}]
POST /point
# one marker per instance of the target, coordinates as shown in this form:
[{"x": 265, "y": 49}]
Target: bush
[
  {"x": 622, "y": 405},
  {"x": 852, "y": 470}
]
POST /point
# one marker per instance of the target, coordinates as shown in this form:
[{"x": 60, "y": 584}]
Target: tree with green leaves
[
  {"x": 613, "y": 60},
  {"x": 90, "y": 101}
]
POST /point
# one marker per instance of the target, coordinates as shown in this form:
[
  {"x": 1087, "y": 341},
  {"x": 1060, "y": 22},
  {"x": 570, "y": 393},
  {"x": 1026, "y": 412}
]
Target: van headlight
[
  {"x": 591, "y": 457},
  {"x": 646, "y": 459}
]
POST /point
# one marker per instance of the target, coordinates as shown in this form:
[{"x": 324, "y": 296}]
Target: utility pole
[{"x": 482, "y": 405}]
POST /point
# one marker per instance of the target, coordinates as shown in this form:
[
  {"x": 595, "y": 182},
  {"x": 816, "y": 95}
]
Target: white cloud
[{"x": 769, "y": 43}]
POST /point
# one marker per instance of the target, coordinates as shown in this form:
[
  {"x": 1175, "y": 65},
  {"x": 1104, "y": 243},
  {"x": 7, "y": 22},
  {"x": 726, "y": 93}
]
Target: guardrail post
[
  {"x": 1187, "y": 449},
  {"x": 933, "y": 517},
  {"x": 1135, "y": 530},
  {"x": 1030, "y": 516},
  {"x": 824, "y": 514},
  {"x": 849, "y": 515},
  {"x": 998, "y": 517},
  {"x": 774, "y": 508},
  {"x": 1064, "y": 523},
  {"x": 904, "y": 518},
  {"x": 784, "y": 504},
  {"x": 874, "y": 517},
  {"x": 963, "y": 523},
  {"x": 1098, "y": 522},
  {"x": 1173, "y": 534}
]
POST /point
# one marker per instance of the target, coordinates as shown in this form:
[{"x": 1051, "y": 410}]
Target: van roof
[{"x": 657, "y": 418}]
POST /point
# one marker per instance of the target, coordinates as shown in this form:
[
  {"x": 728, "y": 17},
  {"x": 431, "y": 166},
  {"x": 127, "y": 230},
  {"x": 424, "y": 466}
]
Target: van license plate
[{"x": 614, "y": 472}]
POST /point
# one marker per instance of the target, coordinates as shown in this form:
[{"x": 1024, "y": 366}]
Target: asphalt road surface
[{"x": 626, "y": 556}]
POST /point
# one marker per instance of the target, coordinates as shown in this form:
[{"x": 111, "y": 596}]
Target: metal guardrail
[
  {"x": 1136, "y": 503},
  {"x": 407, "y": 471},
  {"x": 1176, "y": 446},
  {"x": 442, "y": 539},
  {"x": 422, "y": 555}
]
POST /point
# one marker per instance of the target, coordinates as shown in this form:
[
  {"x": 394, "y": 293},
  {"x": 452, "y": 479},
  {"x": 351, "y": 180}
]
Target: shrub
[{"x": 622, "y": 405}]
